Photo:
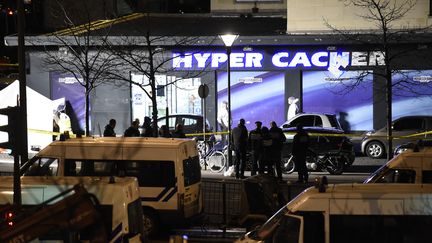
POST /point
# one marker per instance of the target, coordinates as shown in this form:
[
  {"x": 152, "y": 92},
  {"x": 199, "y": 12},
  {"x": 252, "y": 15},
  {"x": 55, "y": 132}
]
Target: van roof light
[{"x": 321, "y": 183}]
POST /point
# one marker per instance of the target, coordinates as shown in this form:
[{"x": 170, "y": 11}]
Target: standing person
[
  {"x": 278, "y": 139},
  {"x": 299, "y": 150},
  {"x": 239, "y": 140},
  {"x": 254, "y": 142},
  {"x": 222, "y": 119},
  {"x": 164, "y": 132},
  {"x": 266, "y": 162},
  {"x": 178, "y": 132},
  {"x": 147, "y": 128},
  {"x": 109, "y": 128},
  {"x": 133, "y": 131}
]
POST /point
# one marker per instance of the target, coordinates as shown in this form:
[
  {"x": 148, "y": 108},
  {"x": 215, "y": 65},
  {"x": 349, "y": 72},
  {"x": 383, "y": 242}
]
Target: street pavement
[{"x": 357, "y": 172}]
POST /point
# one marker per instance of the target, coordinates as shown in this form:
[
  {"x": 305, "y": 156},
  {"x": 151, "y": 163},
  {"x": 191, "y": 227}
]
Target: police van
[
  {"x": 118, "y": 198},
  {"x": 407, "y": 167},
  {"x": 354, "y": 213},
  {"x": 167, "y": 169}
]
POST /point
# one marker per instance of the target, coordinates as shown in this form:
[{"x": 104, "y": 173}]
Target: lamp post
[{"x": 228, "y": 40}]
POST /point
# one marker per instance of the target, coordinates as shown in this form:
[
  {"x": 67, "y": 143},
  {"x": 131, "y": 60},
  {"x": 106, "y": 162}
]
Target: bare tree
[
  {"x": 80, "y": 54},
  {"x": 393, "y": 44},
  {"x": 150, "y": 56}
]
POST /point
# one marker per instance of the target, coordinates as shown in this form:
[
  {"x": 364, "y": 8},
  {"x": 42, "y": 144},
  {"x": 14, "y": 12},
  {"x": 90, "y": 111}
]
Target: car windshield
[
  {"x": 334, "y": 121},
  {"x": 267, "y": 229},
  {"x": 375, "y": 176}
]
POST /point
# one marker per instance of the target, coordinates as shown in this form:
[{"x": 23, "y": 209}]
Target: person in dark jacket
[
  {"x": 164, "y": 132},
  {"x": 133, "y": 131},
  {"x": 178, "y": 132},
  {"x": 266, "y": 161},
  {"x": 109, "y": 129},
  {"x": 255, "y": 147},
  {"x": 239, "y": 140},
  {"x": 300, "y": 147},
  {"x": 147, "y": 129},
  {"x": 278, "y": 139}
]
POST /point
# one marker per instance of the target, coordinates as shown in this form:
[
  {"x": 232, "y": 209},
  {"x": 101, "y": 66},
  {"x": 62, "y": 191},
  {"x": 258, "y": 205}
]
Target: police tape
[
  {"x": 358, "y": 135},
  {"x": 70, "y": 134},
  {"x": 312, "y": 134}
]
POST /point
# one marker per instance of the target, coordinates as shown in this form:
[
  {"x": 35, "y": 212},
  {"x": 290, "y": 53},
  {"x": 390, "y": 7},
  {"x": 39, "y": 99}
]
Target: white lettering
[
  {"x": 277, "y": 59},
  {"x": 237, "y": 60},
  {"x": 218, "y": 58},
  {"x": 201, "y": 59},
  {"x": 359, "y": 59},
  {"x": 376, "y": 58},
  {"x": 179, "y": 59},
  {"x": 338, "y": 60},
  {"x": 316, "y": 59},
  {"x": 253, "y": 59},
  {"x": 300, "y": 58}
]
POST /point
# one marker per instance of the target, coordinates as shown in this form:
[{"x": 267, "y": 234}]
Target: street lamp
[{"x": 228, "y": 40}]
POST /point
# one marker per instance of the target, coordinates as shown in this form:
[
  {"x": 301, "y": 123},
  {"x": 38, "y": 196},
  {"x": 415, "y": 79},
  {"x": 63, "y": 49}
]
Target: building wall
[
  {"x": 308, "y": 16},
  {"x": 246, "y": 6}
]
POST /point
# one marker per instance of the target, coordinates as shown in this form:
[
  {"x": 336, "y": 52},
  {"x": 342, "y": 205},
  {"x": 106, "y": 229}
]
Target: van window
[
  {"x": 379, "y": 228},
  {"x": 427, "y": 176},
  {"x": 306, "y": 121},
  {"x": 192, "y": 171},
  {"x": 152, "y": 173},
  {"x": 43, "y": 167},
  {"x": 398, "y": 176},
  {"x": 288, "y": 230},
  {"x": 148, "y": 173}
]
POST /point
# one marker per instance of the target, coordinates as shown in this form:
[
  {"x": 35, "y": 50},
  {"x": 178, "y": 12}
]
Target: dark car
[
  {"x": 420, "y": 145},
  {"x": 192, "y": 124},
  {"x": 322, "y": 140},
  {"x": 374, "y": 143}
]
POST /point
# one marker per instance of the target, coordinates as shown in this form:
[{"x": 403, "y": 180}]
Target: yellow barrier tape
[
  {"x": 286, "y": 133},
  {"x": 71, "y": 135},
  {"x": 8, "y": 65}
]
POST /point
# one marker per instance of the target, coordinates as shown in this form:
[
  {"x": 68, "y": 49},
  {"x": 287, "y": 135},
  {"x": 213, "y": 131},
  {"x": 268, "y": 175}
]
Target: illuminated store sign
[{"x": 333, "y": 61}]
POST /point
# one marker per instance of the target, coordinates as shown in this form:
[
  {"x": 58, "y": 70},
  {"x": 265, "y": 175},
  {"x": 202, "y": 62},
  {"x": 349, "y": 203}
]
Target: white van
[
  {"x": 168, "y": 171},
  {"x": 407, "y": 167},
  {"x": 118, "y": 199},
  {"x": 355, "y": 213}
]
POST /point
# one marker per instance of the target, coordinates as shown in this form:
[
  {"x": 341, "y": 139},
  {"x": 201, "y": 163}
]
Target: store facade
[{"x": 268, "y": 83}]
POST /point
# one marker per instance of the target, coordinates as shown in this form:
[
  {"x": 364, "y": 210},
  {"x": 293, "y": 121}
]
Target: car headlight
[{"x": 369, "y": 133}]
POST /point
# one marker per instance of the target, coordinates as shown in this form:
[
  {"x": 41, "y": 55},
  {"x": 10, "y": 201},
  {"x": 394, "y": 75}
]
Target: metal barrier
[{"x": 223, "y": 203}]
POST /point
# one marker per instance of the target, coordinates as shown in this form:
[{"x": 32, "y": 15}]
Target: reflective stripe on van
[{"x": 166, "y": 195}]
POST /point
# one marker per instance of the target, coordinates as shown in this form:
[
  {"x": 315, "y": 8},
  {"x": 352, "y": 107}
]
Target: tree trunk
[{"x": 87, "y": 110}]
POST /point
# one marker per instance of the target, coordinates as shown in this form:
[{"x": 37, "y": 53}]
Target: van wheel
[
  {"x": 375, "y": 150},
  {"x": 150, "y": 222}
]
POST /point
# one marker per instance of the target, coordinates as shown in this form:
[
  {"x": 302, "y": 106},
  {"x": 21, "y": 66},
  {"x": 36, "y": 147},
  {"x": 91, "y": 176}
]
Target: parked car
[
  {"x": 374, "y": 143},
  {"x": 313, "y": 120},
  {"x": 191, "y": 123}
]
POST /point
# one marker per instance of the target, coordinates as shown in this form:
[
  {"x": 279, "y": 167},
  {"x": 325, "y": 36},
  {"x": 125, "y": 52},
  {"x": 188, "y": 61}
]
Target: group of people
[
  {"x": 146, "y": 130},
  {"x": 266, "y": 146}
]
